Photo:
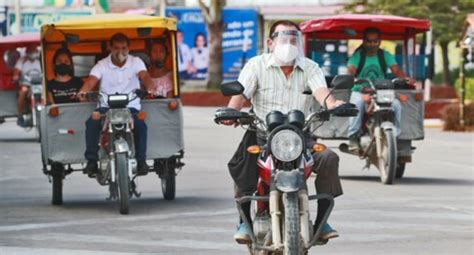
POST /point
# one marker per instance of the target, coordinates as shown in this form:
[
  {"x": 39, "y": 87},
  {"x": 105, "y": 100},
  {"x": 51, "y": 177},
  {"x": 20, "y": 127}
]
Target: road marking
[
  {"x": 49, "y": 251},
  {"x": 181, "y": 229},
  {"x": 14, "y": 178},
  {"x": 113, "y": 219},
  {"x": 102, "y": 239}
]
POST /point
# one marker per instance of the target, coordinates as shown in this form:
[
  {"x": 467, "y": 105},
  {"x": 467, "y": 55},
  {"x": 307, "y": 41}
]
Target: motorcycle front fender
[
  {"x": 289, "y": 181},
  {"x": 121, "y": 146},
  {"x": 387, "y": 125}
]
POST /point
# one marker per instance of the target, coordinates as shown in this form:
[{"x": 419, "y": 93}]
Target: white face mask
[
  {"x": 122, "y": 58},
  {"x": 285, "y": 53}
]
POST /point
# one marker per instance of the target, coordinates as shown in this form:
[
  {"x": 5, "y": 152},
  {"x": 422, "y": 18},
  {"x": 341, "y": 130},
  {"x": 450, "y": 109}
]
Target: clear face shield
[{"x": 287, "y": 46}]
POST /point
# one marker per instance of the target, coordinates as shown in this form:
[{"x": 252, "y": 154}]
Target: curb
[{"x": 433, "y": 123}]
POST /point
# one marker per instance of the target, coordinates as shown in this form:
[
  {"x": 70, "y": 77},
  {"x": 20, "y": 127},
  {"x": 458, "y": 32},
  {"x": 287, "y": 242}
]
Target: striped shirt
[{"x": 268, "y": 88}]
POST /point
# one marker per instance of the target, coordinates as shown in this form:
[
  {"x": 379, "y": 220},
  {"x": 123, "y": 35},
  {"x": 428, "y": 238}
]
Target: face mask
[
  {"x": 285, "y": 53},
  {"x": 121, "y": 57},
  {"x": 63, "y": 69},
  {"x": 158, "y": 63}
]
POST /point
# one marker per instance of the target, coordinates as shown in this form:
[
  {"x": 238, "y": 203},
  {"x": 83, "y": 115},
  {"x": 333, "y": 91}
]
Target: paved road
[{"x": 428, "y": 212}]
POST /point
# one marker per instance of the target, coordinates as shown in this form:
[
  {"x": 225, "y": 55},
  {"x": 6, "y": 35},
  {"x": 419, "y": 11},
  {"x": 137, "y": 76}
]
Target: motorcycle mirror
[
  {"x": 141, "y": 93},
  {"x": 350, "y": 32},
  {"x": 345, "y": 110},
  {"x": 72, "y": 38},
  {"x": 232, "y": 88},
  {"x": 344, "y": 81}
]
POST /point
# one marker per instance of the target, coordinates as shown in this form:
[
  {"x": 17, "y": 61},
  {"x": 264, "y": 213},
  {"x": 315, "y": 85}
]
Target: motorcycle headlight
[
  {"x": 119, "y": 116},
  {"x": 286, "y": 145},
  {"x": 385, "y": 96}
]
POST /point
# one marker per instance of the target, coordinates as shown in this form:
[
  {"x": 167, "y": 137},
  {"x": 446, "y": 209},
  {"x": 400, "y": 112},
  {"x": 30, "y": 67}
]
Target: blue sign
[
  {"x": 3, "y": 20},
  {"x": 239, "y": 41}
]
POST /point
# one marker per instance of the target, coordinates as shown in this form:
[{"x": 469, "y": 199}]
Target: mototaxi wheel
[
  {"x": 168, "y": 184},
  {"x": 57, "y": 176},
  {"x": 400, "y": 170}
]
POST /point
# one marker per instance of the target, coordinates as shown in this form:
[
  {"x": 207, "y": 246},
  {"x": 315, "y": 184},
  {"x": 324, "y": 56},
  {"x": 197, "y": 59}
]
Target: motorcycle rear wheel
[
  {"x": 388, "y": 159},
  {"x": 123, "y": 183}
]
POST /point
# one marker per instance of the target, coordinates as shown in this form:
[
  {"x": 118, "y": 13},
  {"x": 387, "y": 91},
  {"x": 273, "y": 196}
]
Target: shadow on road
[
  {"x": 413, "y": 180},
  {"x": 18, "y": 140},
  {"x": 145, "y": 206}
]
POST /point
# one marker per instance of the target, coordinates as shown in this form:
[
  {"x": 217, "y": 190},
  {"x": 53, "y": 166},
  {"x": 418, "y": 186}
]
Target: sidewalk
[{"x": 433, "y": 123}]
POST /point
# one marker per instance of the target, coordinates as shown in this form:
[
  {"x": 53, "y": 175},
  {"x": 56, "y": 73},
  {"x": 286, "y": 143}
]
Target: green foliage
[
  {"x": 447, "y": 17},
  {"x": 469, "y": 87},
  {"x": 454, "y": 73}
]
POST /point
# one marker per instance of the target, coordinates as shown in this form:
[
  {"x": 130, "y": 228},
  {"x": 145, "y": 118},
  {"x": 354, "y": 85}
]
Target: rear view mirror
[
  {"x": 345, "y": 81},
  {"x": 10, "y": 57},
  {"x": 143, "y": 31},
  {"x": 232, "y": 88},
  {"x": 72, "y": 38},
  {"x": 349, "y": 32}
]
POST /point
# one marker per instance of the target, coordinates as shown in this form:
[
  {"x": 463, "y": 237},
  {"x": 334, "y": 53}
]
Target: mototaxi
[
  {"x": 327, "y": 42},
  {"x": 10, "y": 53},
  {"x": 63, "y": 125}
]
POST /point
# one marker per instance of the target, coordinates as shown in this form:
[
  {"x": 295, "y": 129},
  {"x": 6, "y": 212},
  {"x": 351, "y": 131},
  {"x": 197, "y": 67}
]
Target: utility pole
[
  {"x": 162, "y": 8},
  {"x": 17, "y": 29}
]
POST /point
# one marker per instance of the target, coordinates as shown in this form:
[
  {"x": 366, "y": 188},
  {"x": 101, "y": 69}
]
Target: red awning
[{"x": 337, "y": 27}]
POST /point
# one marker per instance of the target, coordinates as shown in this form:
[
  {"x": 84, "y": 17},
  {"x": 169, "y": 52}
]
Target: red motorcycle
[{"x": 285, "y": 147}]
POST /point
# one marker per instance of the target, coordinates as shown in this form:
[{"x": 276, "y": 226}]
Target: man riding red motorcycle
[{"x": 276, "y": 81}]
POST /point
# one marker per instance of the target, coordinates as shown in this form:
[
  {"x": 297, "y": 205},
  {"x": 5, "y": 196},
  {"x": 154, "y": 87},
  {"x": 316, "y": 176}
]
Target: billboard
[
  {"x": 239, "y": 41},
  {"x": 31, "y": 21}
]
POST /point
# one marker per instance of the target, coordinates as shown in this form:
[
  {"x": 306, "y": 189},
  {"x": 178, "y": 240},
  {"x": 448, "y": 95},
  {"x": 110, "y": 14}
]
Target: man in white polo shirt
[{"x": 117, "y": 73}]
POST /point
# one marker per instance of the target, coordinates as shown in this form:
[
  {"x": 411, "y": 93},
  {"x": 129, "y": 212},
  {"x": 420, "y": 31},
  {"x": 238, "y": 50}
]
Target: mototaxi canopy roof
[
  {"x": 103, "y": 26},
  {"x": 90, "y": 36},
  {"x": 20, "y": 40},
  {"x": 344, "y": 26}
]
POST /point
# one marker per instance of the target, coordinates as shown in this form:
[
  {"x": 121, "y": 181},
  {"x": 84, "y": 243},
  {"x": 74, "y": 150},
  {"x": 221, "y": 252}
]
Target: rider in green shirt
[{"x": 370, "y": 62}]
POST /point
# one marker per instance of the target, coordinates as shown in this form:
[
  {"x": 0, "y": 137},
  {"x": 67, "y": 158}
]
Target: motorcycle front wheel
[
  {"x": 291, "y": 235},
  {"x": 123, "y": 182},
  {"x": 387, "y": 161}
]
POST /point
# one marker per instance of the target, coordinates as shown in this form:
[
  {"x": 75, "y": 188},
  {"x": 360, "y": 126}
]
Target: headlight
[
  {"x": 286, "y": 145},
  {"x": 119, "y": 116},
  {"x": 385, "y": 96}
]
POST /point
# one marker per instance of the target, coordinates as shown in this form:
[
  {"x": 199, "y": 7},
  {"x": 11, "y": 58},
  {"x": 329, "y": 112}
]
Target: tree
[
  {"x": 447, "y": 18},
  {"x": 215, "y": 28}
]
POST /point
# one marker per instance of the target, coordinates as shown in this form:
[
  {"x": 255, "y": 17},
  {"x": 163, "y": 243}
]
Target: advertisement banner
[
  {"x": 239, "y": 41},
  {"x": 31, "y": 21}
]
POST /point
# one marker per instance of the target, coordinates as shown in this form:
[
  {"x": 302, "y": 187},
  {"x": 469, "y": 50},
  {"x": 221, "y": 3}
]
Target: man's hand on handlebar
[
  {"x": 335, "y": 104},
  {"x": 82, "y": 95},
  {"x": 230, "y": 123}
]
